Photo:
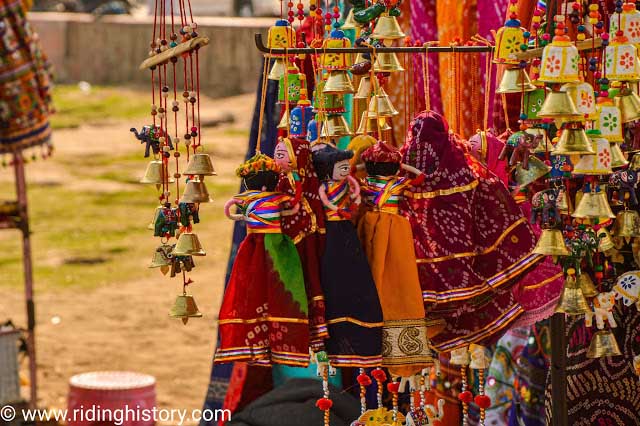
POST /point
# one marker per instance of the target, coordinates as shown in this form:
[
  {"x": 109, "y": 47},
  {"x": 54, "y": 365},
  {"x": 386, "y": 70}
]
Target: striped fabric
[
  {"x": 338, "y": 195},
  {"x": 262, "y": 210},
  {"x": 384, "y": 192}
]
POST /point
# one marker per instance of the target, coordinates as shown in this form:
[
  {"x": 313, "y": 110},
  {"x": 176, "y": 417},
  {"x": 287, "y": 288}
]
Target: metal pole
[
  {"x": 21, "y": 191},
  {"x": 558, "y": 370}
]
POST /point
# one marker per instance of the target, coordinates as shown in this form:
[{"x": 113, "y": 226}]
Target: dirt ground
[{"x": 124, "y": 325}]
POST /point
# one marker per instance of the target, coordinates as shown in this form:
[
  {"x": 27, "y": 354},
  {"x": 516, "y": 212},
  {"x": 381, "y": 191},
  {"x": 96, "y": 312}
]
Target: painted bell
[
  {"x": 281, "y": 35},
  {"x": 284, "y": 121},
  {"x": 621, "y": 60},
  {"x": 364, "y": 88},
  {"x": 329, "y": 103},
  {"x": 563, "y": 202},
  {"x": 545, "y": 144},
  {"x": 156, "y": 174},
  {"x": 629, "y": 20},
  {"x": 560, "y": 164},
  {"x": 537, "y": 169},
  {"x": 617, "y": 156},
  {"x": 609, "y": 120},
  {"x": 312, "y": 131},
  {"x": 627, "y": 224},
  {"x": 583, "y": 98},
  {"x": 560, "y": 60},
  {"x": 533, "y": 101},
  {"x": 515, "y": 80},
  {"x": 387, "y": 28},
  {"x": 371, "y": 125},
  {"x": 184, "y": 308},
  {"x": 593, "y": 205},
  {"x": 380, "y": 105},
  {"x": 338, "y": 82},
  {"x": 573, "y": 140},
  {"x": 627, "y": 287},
  {"x": 603, "y": 344},
  {"x": 195, "y": 192},
  {"x": 290, "y": 84},
  {"x": 598, "y": 163},
  {"x": 161, "y": 257},
  {"x": 200, "y": 164},
  {"x": 508, "y": 41},
  {"x": 572, "y": 301},
  {"x": 333, "y": 126},
  {"x": 559, "y": 105},
  {"x": 586, "y": 285},
  {"x": 277, "y": 69},
  {"x": 188, "y": 245},
  {"x": 628, "y": 102},
  {"x": 551, "y": 243},
  {"x": 387, "y": 62},
  {"x": 460, "y": 356},
  {"x": 300, "y": 117},
  {"x": 336, "y": 61},
  {"x": 605, "y": 242}
]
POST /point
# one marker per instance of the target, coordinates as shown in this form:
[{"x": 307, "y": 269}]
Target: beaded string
[
  {"x": 465, "y": 403},
  {"x": 363, "y": 382},
  {"x": 481, "y": 392},
  {"x": 425, "y": 77}
]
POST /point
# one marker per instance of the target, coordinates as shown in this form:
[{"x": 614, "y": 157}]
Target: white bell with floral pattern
[
  {"x": 629, "y": 20},
  {"x": 609, "y": 120},
  {"x": 621, "y": 60},
  {"x": 560, "y": 58},
  {"x": 598, "y": 163}
]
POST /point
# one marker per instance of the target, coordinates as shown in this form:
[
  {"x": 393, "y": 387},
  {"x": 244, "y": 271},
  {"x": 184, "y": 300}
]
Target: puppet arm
[
  {"x": 292, "y": 211},
  {"x": 355, "y": 186},
  {"x": 325, "y": 201},
  {"x": 298, "y": 188},
  {"x": 227, "y": 210},
  {"x": 419, "y": 175}
]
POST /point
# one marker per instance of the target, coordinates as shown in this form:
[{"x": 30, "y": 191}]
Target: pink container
[{"x": 111, "y": 398}]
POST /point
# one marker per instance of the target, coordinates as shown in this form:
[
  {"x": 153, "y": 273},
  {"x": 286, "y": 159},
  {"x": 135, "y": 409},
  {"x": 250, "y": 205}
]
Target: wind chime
[{"x": 175, "y": 104}]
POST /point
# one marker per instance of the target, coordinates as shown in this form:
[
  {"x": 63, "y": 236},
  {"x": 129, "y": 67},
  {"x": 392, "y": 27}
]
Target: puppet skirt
[
  {"x": 353, "y": 310},
  {"x": 263, "y": 319},
  {"x": 388, "y": 244}
]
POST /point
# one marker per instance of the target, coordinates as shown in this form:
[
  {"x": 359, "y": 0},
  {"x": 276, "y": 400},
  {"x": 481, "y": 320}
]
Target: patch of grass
[
  {"x": 235, "y": 132},
  {"x": 98, "y": 104}
]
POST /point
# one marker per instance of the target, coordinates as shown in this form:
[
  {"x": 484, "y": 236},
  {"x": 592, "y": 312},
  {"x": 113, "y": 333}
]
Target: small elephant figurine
[
  {"x": 189, "y": 212},
  {"x": 150, "y": 135},
  {"x": 603, "y": 305},
  {"x": 426, "y": 416},
  {"x": 166, "y": 222},
  {"x": 520, "y": 145},
  {"x": 625, "y": 181},
  {"x": 178, "y": 263},
  {"x": 544, "y": 203}
]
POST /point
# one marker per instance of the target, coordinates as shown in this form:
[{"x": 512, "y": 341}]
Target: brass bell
[
  {"x": 161, "y": 257},
  {"x": 558, "y": 104},
  {"x": 545, "y": 144},
  {"x": 359, "y": 58},
  {"x": 595, "y": 164},
  {"x": 586, "y": 285},
  {"x": 277, "y": 69},
  {"x": 387, "y": 28},
  {"x": 387, "y": 62},
  {"x": 184, "y": 308},
  {"x": 572, "y": 301},
  {"x": 370, "y": 125},
  {"x": 350, "y": 23},
  {"x": 515, "y": 80},
  {"x": 334, "y": 126},
  {"x": 537, "y": 169},
  {"x": 156, "y": 174},
  {"x": 551, "y": 243},
  {"x": 635, "y": 162},
  {"x": 338, "y": 82},
  {"x": 593, "y": 205},
  {"x": 629, "y": 103},
  {"x": 573, "y": 140},
  {"x": 603, "y": 344},
  {"x": 563, "y": 202},
  {"x": 152, "y": 225},
  {"x": 380, "y": 106},
  {"x": 627, "y": 224},
  {"x": 195, "y": 192},
  {"x": 200, "y": 164},
  {"x": 605, "y": 242},
  {"x": 364, "y": 88},
  {"x": 188, "y": 245},
  {"x": 617, "y": 156},
  {"x": 284, "y": 121}
]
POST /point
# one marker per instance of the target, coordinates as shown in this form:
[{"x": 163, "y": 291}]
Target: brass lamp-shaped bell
[
  {"x": 635, "y": 162},
  {"x": 573, "y": 140},
  {"x": 338, "y": 82},
  {"x": 617, "y": 156},
  {"x": 188, "y": 245},
  {"x": 161, "y": 257},
  {"x": 563, "y": 202},
  {"x": 629, "y": 103},
  {"x": 195, "y": 192},
  {"x": 200, "y": 164},
  {"x": 559, "y": 105},
  {"x": 551, "y": 243},
  {"x": 627, "y": 224},
  {"x": 572, "y": 301},
  {"x": 334, "y": 126},
  {"x": 277, "y": 69},
  {"x": 603, "y": 344},
  {"x": 605, "y": 242},
  {"x": 586, "y": 285},
  {"x": 152, "y": 225},
  {"x": 595, "y": 164},
  {"x": 387, "y": 62},
  {"x": 370, "y": 125},
  {"x": 537, "y": 169},
  {"x": 364, "y": 88},
  {"x": 184, "y": 308},
  {"x": 380, "y": 105},
  {"x": 387, "y": 28},
  {"x": 350, "y": 23},
  {"x": 515, "y": 80},
  {"x": 156, "y": 174},
  {"x": 593, "y": 205}
]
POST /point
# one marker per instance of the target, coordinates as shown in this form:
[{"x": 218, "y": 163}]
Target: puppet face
[
  {"x": 282, "y": 158},
  {"x": 341, "y": 170}
]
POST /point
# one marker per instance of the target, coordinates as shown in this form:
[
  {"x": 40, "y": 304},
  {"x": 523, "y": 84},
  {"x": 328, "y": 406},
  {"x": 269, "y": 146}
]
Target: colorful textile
[
  {"x": 338, "y": 195},
  {"x": 382, "y": 152},
  {"x": 471, "y": 241},
  {"x": 25, "y": 92},
  {"x": 383, "y": 193},
  {"x": 262, "y": 210}
]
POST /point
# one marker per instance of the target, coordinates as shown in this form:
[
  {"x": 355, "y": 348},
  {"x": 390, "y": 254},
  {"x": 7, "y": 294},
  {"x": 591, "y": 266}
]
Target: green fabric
[{"x": 286, "y": 263}]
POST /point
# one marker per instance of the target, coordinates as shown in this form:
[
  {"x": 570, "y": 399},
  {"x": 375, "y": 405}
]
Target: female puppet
[
  {"x": 306, "y": 227},
  {"x": 388, "y": 243},
  {"x": 352, "y": 307},
  {"x": 263, "y": 318}
]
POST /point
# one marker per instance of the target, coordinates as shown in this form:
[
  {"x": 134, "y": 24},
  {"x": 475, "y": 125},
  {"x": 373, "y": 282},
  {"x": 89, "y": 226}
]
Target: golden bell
[
  {"x": 370, "y": 125},
  {"x": 284, "y": 121},
  {"x": 338, "y": 82},
  {"x": 195, "y": 192},
  {"x": 634, "y": 164},
  {"x": 572, "y": 301},
  {"x": 573, "y": 140},
  {"x": 558, "y": 104},
  {"x": 380, "y": 106},
  {"x": 627, "y": 224},
  {"x": 537, "y": 169},
  {"x": 605, "y": 242},
  {"x": 563, "y": 202},
  {"x": 387, "y": 28},
  {"x": 387, "y": 62},
  {"x": 364, "y": 88},
  {"x": 603, "y": 344},
  {"x": 200, "y": 164},
  {"x": 629, "y": 103},
  {"x": 617, "y": 156},
  {"x": 515, "y": 80},
  {"x": 334, "y": 126},
  {"x": 586, "y": 285},
  {"x": 188, "y": 245},
  {"x": 161, "y": 257},
  {"x": 184, "y": 308},
  {"x": 152, "y": 225},
  {"x": 155, "y": 174},
  {"x": 595, "y": 164},
  {"x": 593, "y": 205},
  {"x": 551, "y": 243},
  {"x": 277, "y": 69},
  {"x": 350, "y": 23},
  {"x": 359, "y": 58}
]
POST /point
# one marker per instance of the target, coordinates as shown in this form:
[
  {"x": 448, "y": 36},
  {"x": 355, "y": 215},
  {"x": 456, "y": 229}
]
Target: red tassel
[
  {"x": 466, "y": 397},
  {"x": 483, "y": 401},
  {"x": 364, "y": 380},
  {"x": 379, "y": 375},
  {"x": 393, "y": 387},
  {"x": 324, "y": 404}
]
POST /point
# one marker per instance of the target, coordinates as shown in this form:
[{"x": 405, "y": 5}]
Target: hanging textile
[{"x": 424, "y": 27}]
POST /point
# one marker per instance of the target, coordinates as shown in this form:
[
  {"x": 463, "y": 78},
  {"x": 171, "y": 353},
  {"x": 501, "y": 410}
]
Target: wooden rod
[{"x": 557, "y": 328}]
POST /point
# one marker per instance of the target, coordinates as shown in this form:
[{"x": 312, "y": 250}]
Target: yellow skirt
[{"x": 388, "y": 243}]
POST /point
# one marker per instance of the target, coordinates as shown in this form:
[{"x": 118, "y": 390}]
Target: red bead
[
  {"x": 466, "y": 397},
  {"x": 300, "y": 44},
  {"x": 605, "y": 36},
  {"x": 513, "y": 16},
  {"x": 482, "y": 401},
  {"x": 194, "y": 129},
  {"x": 324, "y": 404},
  {"x": 336, "y": 15},
  {"x": 336, "y": 9},
  {"x": 379, "y": 375},
  {"x": 291, "y": 19},
  {"x": 290, "y": 4},
  {"x": 300, "y": 6},
  {"x": 290, "y": 13},
  {"x": 364, "y": 380},
  {"x": 619, "y": 33},
  {"x": 393, "y": 387},
  {"x": 575, "y": 6}
]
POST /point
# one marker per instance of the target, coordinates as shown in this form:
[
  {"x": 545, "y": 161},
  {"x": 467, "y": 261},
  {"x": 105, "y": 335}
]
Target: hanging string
[
  {"x": 425, "y": 78},
  {"x": 198, "y": 96},
  {"x": 263, "y": 95}
]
